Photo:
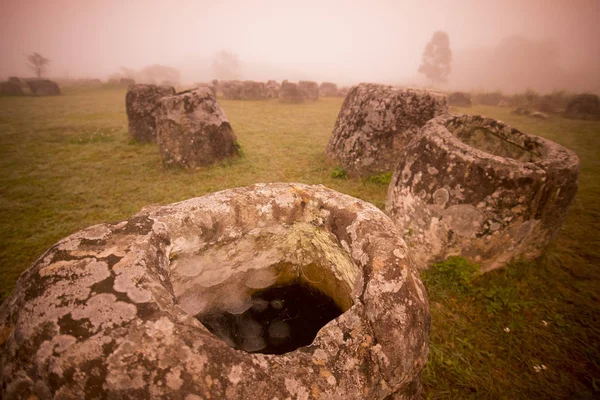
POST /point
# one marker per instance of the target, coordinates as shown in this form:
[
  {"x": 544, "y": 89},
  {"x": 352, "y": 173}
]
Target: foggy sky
[{"x": 343, "y": 41}]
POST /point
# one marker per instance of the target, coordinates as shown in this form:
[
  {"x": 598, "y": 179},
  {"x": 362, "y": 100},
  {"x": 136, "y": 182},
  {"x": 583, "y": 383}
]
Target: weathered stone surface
[
  {"x": 290, "y": 93},
  {"x": 328, "y": 89},
  {"x": 141, "y": 103},
  {"x": 43, "y": 87},
  {"x": 376, "y": 122},
  {"x": 476, "y": 187},
  {"x": 309, "y": 90},
  {"x": 584, "y": 106},
  {"x": 10, "y": 89},
  {"x": 125, "y": 82},
  {"x": 273, "y": 89},
  {"x": 108, "y": 312},
  {"x": 460, "y": 99},
  {"x": 193, "y": 131}
]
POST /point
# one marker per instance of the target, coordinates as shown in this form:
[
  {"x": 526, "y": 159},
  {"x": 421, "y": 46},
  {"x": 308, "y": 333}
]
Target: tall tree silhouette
[{"x": 437, "y": 58}]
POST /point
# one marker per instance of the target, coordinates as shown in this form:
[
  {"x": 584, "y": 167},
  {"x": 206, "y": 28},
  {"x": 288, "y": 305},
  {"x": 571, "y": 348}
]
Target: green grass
[{"x": 67, "y": 162}]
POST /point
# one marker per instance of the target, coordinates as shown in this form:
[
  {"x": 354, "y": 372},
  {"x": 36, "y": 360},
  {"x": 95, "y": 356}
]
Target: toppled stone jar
[
  {"x": 376, "y": 122},
  {"x": 476, "y": 187},
  {"x": 115, "y": 310},
  {"x": 141, "y": 102},
  {"x": 193, "y": 130}
]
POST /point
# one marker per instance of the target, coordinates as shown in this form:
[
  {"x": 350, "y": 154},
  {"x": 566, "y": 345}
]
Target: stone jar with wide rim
[
  {"x": 476, "y": 187},
  {"x": 110, "y": 311}
]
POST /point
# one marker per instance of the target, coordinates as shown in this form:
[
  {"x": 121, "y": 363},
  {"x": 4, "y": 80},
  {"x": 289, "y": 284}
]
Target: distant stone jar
[
  {"x": 121, "y": 310},
  {"x": 584, "y": 106},
  {"x": 309, "y": 90},
  {"x": 43, "y": 87},
  {"x": 478, "y": 188},
  {"x": 193, "y": 131},
  {"x": 376, "y": 122},
  {"x": 141, "y": 103},
  {"x": 460, "y": 99},
  {"x": 10, "y": 88},
  {"x": 290, "y": 93},
  {"x": 328, "y": 89}
]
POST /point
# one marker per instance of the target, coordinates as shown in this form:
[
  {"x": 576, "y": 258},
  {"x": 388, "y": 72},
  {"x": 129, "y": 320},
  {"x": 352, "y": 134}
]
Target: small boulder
[
  {"x": 193, "y": 131},
  {"x": 141, "y": 102},
  {"x": 460, "y": 99},
  {"x": 309, "y": 90},
  {"x": 290, "y": 93},
  {"x": 521, "y": 111},
  {"x": 10, "y": 89},
  {"x": 584, "y": 106},
  {"x": 328, "y": 89},
  {"x": 539, "y": 115},
  {"x": 43, "y": 87}
]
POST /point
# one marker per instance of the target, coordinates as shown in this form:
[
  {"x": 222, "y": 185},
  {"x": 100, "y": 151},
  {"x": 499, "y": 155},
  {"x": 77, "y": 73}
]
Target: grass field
[{"x": 67, "y": 162}]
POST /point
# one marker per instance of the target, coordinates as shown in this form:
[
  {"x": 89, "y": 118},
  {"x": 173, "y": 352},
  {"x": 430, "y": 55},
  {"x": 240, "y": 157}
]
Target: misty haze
[{"x": 227, "y": 199}]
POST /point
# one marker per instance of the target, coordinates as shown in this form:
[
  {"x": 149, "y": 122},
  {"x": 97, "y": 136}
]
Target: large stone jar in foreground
[
  {"x": 193, "y": 130},
  {"x": 476, "y": 187},
  {"x": 141, "y": 102},
  {"x": 114, "y": 310},
  {"x": 376, "y": 122}
]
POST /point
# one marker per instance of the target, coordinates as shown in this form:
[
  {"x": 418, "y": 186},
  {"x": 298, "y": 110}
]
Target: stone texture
[
  {"x": 106, "y": 312},
  {"x": 141, "y": 102},
  {"x": 376, "y": 122},
  {"x": 460, "y": 99},
  {"x": 478, "y": 188},
  {"x": 193, "y": 131},
  {"x": 584, "y": 106},
  {"x": 290, "y": 93},
  {"x": 10, "y": 89},
  {"x": 328, "y": 89},
  {"x": 539, "y": 115},
  {"x": 309, "y": 90},
  {"x": 43, "y": 87}
]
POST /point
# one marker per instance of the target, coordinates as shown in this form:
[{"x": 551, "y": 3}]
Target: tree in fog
[
  {"x": 437, "y": 58},
  {"x": 37, "y": 63},
  {"x": 226, "y": 66}
]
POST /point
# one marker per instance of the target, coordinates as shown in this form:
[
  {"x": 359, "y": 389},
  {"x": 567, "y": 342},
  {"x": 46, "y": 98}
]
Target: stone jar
[
  {"x": 113, "y": 310},
  {"x": 376, "y": 122},
  {"x": 476, "y": 187}
]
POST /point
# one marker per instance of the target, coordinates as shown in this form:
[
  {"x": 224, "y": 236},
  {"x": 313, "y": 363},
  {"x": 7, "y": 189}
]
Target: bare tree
[
  {"x": 437, "y": 58},
  {"x": 226, "y": 65},
  {"x": 37, "y": 63}
]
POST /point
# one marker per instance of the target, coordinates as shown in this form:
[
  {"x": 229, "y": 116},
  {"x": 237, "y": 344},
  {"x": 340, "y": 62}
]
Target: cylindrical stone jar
[
  {"x": 119, "y": 310},
  {"x": 476, "y": 187}
]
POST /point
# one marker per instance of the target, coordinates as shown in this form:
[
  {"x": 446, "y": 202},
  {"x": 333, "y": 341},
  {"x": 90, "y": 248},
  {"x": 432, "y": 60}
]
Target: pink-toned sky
[{"x": 339, "y": 40}]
